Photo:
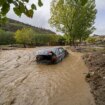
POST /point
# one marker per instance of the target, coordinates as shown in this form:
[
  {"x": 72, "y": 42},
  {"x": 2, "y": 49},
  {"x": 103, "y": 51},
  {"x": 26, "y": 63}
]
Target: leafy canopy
[
  {"x": 24, "y": 36},
  {"x": 6, "y": 37},
  {"x": 91, "y": 40},
  {"x": 27, "y": 36},
  {"x": 75, "y": 18},
  {"x": 20, "y": 6}
]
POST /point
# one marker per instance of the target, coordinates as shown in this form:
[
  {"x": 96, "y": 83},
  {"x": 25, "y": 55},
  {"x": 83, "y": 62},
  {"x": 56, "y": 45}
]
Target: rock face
[{"x": 96, "y": 75}]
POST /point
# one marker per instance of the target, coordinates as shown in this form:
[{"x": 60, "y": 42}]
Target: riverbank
[{"x": 95, "y": 61}]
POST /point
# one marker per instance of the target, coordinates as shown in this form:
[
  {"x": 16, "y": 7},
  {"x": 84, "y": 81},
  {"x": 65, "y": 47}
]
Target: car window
[
  {"x": 61, "y": 50},
  {"x": 57, "y": 51}
]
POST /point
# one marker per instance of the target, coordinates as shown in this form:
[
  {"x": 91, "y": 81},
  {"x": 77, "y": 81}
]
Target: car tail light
[{"x": 54, "y": 58}]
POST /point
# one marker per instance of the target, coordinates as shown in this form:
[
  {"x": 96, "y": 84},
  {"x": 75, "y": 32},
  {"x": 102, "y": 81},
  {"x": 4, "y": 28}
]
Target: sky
[{"x": 42, "y": 15}]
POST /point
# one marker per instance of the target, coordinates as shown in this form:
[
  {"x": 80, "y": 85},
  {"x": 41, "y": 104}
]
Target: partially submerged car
[{"x": 51, "y": 55}]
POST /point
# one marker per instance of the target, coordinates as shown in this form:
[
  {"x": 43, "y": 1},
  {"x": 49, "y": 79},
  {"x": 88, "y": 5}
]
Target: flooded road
[{"x": 23, "y": 82}]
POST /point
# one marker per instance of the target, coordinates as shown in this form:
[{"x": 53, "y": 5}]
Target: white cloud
[{"x": 100, "y": 4}]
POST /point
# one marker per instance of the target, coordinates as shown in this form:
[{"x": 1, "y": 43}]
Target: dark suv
[{"x": 51, "y": 55}]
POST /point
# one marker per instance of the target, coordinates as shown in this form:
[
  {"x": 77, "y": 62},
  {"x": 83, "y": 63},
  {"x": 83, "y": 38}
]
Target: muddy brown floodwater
[{"x": 23, "y": 82}]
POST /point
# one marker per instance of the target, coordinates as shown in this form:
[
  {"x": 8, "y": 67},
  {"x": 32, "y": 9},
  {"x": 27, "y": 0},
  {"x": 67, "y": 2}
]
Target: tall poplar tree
[{"x": 75, "y": 18}]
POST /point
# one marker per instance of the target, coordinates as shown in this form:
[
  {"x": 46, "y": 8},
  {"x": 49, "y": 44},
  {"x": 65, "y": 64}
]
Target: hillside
[{"x": 13, "y": 25}]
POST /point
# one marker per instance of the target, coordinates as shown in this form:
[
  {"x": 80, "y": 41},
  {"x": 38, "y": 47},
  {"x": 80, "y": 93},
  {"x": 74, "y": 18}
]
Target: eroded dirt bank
[
  {"x": 96, "y": 76},
  {"x": 23, "y": 82}
]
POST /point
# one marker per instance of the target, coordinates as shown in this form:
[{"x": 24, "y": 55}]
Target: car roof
[
  {"x": 43, "y": 51},
  {"x": 52, "y": 48}
]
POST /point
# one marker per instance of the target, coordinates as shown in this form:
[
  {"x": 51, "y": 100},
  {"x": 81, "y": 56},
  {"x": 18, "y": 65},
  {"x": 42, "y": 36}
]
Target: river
[{"x": 24, "y": 82}]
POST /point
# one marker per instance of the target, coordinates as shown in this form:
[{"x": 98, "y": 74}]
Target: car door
[{"x": 61, "y": 53}]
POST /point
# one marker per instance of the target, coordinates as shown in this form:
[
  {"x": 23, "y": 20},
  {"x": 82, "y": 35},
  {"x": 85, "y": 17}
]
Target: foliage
[
  {"x": 24, "y": 36},
  {"x": 27, "y": 36},
  {"x": 20, "y": 6},
  {"x": 6, "y": 37},
  {"x": 41, "y": 39},
  {"x": 91, "y": 40},
  {"x": 75, "y": 18},
  {"x": 62, "y": 40}
]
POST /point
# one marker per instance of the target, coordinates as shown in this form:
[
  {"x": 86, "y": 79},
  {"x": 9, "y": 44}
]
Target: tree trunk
[
  {"x": 24, "y": 45},
  {"x": 80, "y": 41},
  {"x": 73, "y": 41}
]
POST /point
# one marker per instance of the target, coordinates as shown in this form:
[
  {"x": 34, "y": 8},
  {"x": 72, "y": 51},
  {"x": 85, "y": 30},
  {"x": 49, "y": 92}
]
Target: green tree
[
  {"x": 19, "y": 7},
  {"x": 61, "y": 40},
  {"x": 44, "y": 39},
  {"x": 40, "y": 39},
  {"x": 75, "y": 18},
  {"x": 91, "y": 40},
  {"x": 53, "y": 39},
  {"x": 25, "y": 36},
  {"x": 6, "y": 37}
]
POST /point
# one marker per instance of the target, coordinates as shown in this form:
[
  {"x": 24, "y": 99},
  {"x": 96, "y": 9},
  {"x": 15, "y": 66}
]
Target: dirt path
[{"x": 23, "y": 82}]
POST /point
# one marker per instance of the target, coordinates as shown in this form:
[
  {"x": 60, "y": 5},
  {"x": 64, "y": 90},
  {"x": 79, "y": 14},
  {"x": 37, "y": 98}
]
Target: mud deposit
[
  {"x": 24, "y": 82},
  {"x": 96, "y": 76}
]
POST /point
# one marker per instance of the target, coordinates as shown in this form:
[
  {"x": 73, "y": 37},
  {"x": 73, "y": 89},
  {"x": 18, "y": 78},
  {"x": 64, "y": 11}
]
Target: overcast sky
[{"x": 42, "y": 16}]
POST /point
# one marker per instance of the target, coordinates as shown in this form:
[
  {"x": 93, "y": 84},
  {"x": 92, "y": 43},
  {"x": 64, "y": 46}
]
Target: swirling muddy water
[{"x": 24, "y": 82}]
